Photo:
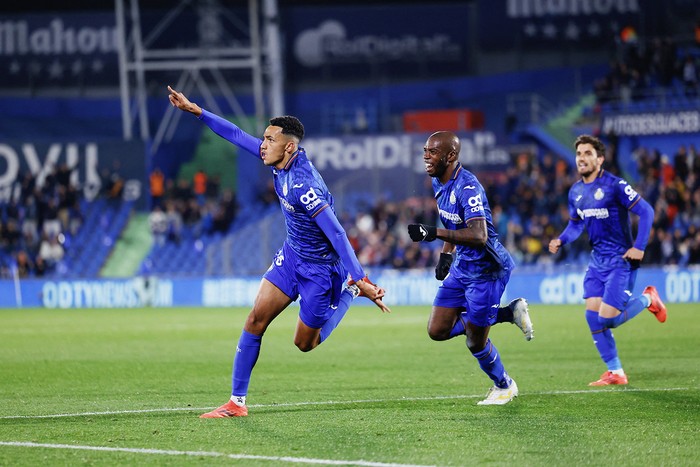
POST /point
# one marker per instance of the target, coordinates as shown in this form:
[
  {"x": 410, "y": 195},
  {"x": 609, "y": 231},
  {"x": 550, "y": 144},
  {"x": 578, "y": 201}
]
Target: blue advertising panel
[
  {"x": 556, "y": 287},
  {"x": 392, "y": 164},
  {"x": 355, "y": 42},
  {"x": 89, "y": 162},
  {"x": 664, "y": 132}
]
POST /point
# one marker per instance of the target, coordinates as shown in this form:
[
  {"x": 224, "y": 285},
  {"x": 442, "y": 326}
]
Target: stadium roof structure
[{"x": 138, "y": 55}]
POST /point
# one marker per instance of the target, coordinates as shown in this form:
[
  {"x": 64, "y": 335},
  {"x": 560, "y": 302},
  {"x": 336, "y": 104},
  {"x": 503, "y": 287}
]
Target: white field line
[
  {"x": 359, "y": 401},
  {"x": 166, "y": 452}
]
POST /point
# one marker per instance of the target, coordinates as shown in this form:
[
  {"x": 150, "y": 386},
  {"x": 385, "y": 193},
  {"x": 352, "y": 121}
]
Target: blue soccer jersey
[
  {"x": 303, "y": 194},
  {"x": 462, "y": 199},
  {"x": 603, "y": 205}
]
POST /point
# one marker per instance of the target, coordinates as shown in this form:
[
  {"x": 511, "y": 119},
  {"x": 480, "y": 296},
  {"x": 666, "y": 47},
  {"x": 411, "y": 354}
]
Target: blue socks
[
  {"x": 247, "y": 353},
  {"x": 603, "y": 340},
  {"x": 634, "y": 307},
  {"x": 248, "y": 348},
  {"x": 490, "y": 362},
  {"x": 333, "y": 322}
]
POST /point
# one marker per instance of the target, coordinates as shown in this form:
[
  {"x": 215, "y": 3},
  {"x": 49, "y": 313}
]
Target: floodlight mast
[{"x": 136, "y": 58}]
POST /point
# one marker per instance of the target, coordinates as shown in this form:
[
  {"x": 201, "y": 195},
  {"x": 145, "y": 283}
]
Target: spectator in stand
[
  {"x": 11, "y": 236},
  {"x": 25, "y": 267},
  {"x": 213, "y": 187},
  {"x": 182, "y": 191},
  {"x": 50, "y": 250},
  {"x": 199, "y": 186},
  {"x": 158, "y": 223},
  {"x": 225, "y": 212},
  {"x": 63, "y": 174},
  {"x": 39, "y": 267},
  {"x": 690, "y": 76},
  {"x": 157, "y": 187},
  {"x": 51, "y": 223},
  {"x": 174, "y": 222}
]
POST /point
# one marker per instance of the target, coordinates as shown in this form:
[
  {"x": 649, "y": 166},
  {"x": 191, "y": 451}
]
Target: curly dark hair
[
  {"x": 593, "y": 141},
  {"x": 290, "y": 126}
]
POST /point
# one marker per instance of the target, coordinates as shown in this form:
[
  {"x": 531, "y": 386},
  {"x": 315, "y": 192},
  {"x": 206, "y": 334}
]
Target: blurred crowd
[
  {"x": 37, "y": 217},
  {"x": 41, "y": 214},
  {"x": 529, "y": 207},
  {"x": 528, "y": 202},
  {"x": 643, "y": 68},
  {"x": 189, "y": 207}
]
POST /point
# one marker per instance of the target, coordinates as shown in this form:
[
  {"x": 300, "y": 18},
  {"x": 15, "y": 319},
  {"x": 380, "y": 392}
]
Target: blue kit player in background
[
  {"x": 314, "y": 261},
  {"x": 468, "y": 301},
  {"x": 600, "y": 203}
]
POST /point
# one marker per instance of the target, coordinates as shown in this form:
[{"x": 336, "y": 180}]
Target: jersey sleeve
[
  {"x": 231, "y": 132},
  {"x": 571, "y": 207},
  {"x": 626, "y": 195},
  {"x": 471, "y": 197},
  {"x": 310, "y": 197},
  {"x": 329, "y": 224}
]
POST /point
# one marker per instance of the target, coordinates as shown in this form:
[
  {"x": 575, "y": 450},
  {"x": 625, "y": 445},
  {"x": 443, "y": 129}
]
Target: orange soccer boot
[
  {"x": 229, "y": 409},
  {"x": 609, "y": 378},
  {"x": 657, "y": 306}
]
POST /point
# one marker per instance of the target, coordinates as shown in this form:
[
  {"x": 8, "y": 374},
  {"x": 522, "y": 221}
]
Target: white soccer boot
[
  {"x": 521, "y": 317},
  {"x": 498, "y": 396}
]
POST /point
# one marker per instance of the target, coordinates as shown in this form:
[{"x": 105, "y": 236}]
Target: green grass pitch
[{"x": 126, "y": 387}]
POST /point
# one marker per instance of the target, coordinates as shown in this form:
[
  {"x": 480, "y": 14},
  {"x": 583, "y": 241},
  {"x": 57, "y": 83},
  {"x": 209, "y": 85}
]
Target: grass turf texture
[{"x": 379, "y": 390}]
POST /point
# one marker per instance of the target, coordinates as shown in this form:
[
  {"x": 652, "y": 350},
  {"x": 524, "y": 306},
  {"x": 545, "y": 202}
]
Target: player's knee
[
  {"x": 475, "y": 345},
  {"x": 609, "y": 323},
  {"x": 438, "y": 334},
  {"x": 305, "y": 346}
]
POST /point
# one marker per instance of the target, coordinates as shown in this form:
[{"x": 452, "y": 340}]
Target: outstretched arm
[
  {"x": 331, "y": 227},
  {"x": 218, "y": 125}
]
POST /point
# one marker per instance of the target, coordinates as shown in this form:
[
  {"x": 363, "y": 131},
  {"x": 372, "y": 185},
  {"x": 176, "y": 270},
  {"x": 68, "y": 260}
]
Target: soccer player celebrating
[
  {"x": 600, "y": 202},
  {"x": 314, "y": 260},
  {"x": 467, "y": 301}
]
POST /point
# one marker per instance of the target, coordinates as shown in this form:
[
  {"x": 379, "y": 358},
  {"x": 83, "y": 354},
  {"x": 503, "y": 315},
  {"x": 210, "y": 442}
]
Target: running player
[
  {"x": 600, "y": 203},
  {"x": 314, "y": 260},
  {"x": 468, "y": 300}
]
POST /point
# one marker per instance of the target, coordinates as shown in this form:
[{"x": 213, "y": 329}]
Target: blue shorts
[
  {"x": 480, "y": 298},
  {"x": 614, "y": 284},
  {"x": 318, "y": 284}
]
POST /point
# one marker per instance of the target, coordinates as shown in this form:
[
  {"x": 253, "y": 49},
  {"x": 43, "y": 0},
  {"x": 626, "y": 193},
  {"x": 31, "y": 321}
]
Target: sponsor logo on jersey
[
  {"x": 310, "y": 199},
  {"x": 629, "y": 191},
  {"x": 598, "y": 213},
  {"x": 599, "y": 194},
  {"x": 475, "y": 203},
  {"x": 451, "y": 216},
  {"x": 286, "y": 205}
]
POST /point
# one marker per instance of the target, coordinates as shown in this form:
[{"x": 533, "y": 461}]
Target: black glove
[
  {"x": 443, "y": 266},
  {"x": 422, "y": 233}
]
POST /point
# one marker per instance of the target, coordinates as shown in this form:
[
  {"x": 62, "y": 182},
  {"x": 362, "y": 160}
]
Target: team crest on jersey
[
  {"x": 284, "y": 189},
  {"x": 453, "y": 198},
  {"x": 598, "y": 195}
]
